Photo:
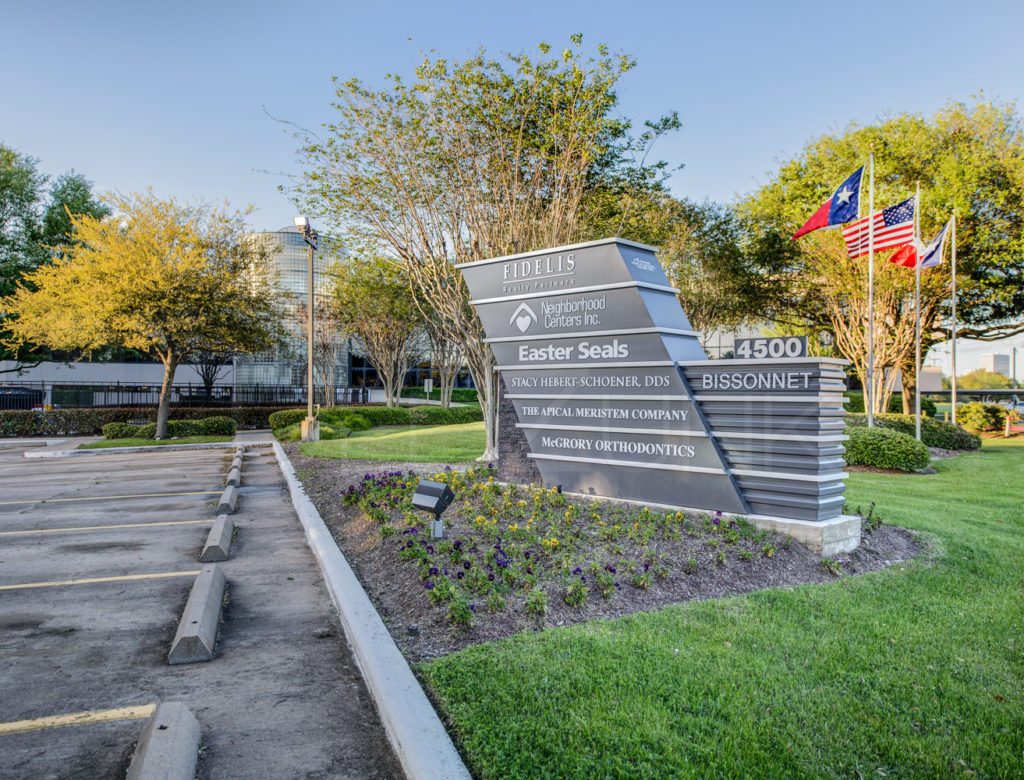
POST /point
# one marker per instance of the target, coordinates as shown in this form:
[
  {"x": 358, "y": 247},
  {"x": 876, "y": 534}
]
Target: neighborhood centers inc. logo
[{"x": 523, "y": 317}]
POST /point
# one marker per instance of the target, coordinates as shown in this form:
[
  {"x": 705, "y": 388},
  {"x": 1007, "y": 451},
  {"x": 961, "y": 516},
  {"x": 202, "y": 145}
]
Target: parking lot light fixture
[{"x": 310, "y": 426}]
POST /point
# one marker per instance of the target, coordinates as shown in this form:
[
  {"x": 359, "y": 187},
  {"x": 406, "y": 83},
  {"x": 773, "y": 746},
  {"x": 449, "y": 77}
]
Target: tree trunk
[
  {"x": 908, "y": 389},
  {"x": 163, "y": 409}
]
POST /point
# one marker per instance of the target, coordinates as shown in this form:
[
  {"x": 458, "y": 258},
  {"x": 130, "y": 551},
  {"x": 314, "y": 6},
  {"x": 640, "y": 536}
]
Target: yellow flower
[{"x": 514, "y": 527}]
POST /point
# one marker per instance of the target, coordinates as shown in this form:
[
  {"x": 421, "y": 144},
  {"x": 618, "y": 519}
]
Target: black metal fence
[{"x": 74, "y": 395}]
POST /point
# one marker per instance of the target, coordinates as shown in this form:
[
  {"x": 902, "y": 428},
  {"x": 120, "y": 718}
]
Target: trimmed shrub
[
  {"x": 289, "y": 433},
  {"x": 356, "y": 422},
  {"x": 293, "y": 432},
  {"x": 934, "y": 433},
  {"x": 286, "y": 417},
  {"x": 119, "y": 430},
  {"x": 82, "y": 422},
  {"x": 856, "y": 404},
  {"x": 977, "y": 416},
  {"x": 382, "y": 415},
  {"x": 429, "y": 415},
  {"x": 148, "y": 431},
  {"x": 467, "y": 414},
  {"x": 885, "y": 448},
  {"x": 216, "y": 426}
]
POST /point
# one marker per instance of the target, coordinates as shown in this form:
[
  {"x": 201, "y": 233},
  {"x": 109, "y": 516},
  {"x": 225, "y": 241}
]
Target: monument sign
[{"x": 616, "y": 397}]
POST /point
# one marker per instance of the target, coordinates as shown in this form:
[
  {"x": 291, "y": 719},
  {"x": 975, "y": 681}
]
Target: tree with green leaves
[
  {"x": 968, "y": 157},
  {"x": 31, "y": 231},
  {"x": 982, "y": 379},
  {"x": 161, "y": 277},
  {"x": 370, "y": 301},
  {"x": 471, "y": 160}
]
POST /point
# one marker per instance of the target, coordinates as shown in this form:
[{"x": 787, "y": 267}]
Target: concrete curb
[
  {"x": 228, "y": 501},
  {"x": 126, "y": 450},
  {"x": 196, "y": 637},
  {"x": 218, "y": 541},
  {"x": 169, "y": 746},
  {"x": 234, "y": 477},
  {"x": 415, "y": 731}
]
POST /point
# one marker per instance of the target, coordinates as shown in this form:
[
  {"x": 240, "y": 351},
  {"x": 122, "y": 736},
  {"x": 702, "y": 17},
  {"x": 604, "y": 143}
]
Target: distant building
[
  {"x": 289, "y": 263},
  {"x": 997, "y": 364}
]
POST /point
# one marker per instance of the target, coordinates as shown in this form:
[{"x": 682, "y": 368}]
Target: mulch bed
[{"x": 422, "y": 631}]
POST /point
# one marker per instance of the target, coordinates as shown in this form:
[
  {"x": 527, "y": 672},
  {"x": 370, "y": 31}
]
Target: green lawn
[
  {"x": 418, "y": 444},
  {"x": 912, "y": 672},
  {"x": 153, "y": 442}
]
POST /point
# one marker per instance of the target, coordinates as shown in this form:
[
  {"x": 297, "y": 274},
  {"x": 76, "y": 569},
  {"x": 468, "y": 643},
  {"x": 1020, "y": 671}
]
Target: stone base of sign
[
  {"x": 827, "y": 538},
  {"x": 513, "y": 449}
]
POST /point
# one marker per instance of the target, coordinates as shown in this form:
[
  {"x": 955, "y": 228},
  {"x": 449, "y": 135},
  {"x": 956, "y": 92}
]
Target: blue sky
[{"x": 173, "y": 96}]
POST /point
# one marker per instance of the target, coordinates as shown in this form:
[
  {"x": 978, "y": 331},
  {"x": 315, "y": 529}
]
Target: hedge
[
  {"x": 374, "y": 416},
  {"x": 88, "y": 422},
  {"x": 461, "y": 395},
  {"x": 286, "y": 417},
  {"x": 356, "y": 422},
  {"x": 934, "y": 433},
  {"x": 293, "y": 432},
  {"x": 176, "y": 429},
  {"x": 856, "y": 404},
  {"x": 885, "y": 448}
]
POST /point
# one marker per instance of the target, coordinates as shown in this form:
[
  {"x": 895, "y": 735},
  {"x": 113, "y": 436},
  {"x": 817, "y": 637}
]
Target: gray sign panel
[
  {"x": 644, "y": 448},
  {"x": 594, "y": 350},
  {"x": 557, "y": 270},
  {"x": 611, "y": 413},
  {"x": 624, "y": 308},
  {"x": 646, "y": 483},
  {"x": 595, "y": 380},
  {"x": 724, "y": 377}
]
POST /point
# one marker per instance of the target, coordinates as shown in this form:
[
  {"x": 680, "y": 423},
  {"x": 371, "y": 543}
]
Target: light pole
[{"x": 310, "y": 426}]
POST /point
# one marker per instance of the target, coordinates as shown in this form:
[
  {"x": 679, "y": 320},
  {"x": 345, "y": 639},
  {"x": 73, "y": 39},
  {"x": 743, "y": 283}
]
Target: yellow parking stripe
[
  {"x": 101, "y": 527},
  {"x": 101, "y": 579},
  {"x": 106, "y": 498},
  {"x": 77, "y": 719}
]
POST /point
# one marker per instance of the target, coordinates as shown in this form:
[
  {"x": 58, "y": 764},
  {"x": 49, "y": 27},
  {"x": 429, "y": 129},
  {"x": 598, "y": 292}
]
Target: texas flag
[
  {"x": 840, "y": 208},
  {"x": 930, "y": 255}
]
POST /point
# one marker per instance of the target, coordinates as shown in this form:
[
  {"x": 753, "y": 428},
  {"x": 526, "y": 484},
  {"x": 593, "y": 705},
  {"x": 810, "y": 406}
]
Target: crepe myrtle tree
[
  {"x": 469, "y": 160},
  {"x": 168, "y": 279},
  {"x": 370, "y": 301}
]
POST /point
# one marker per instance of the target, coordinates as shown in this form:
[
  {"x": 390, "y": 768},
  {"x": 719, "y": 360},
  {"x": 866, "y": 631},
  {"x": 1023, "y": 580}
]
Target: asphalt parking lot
[{"x": 97, "y": 555}]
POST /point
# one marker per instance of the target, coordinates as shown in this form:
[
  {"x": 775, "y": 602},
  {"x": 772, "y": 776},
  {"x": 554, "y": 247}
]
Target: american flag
[{"x": 894, "y": 226}]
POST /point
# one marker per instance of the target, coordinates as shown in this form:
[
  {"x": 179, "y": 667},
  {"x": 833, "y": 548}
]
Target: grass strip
[
  {"x": 416, "y": 444},
  {"x": 104, "y": 443},
  {"x": 915, "y": 671}
]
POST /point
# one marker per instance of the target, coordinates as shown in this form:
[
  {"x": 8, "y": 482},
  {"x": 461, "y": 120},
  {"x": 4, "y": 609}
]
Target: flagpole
[
  {"x": 954, "y": 317},
  {"x": 917, "y": 313},
  {"x": 870, "y": 372}
]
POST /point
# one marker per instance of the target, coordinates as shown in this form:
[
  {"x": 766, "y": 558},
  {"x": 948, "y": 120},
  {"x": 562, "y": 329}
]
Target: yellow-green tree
[{"x": 161, "y": 277}]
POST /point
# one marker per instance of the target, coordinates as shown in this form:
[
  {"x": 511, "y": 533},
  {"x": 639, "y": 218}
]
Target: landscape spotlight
[{"x": 433, "y": 497}]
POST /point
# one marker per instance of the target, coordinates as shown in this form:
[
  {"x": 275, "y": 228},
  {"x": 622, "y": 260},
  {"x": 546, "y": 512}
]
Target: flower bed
[{"x": 516, "y": 557}]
